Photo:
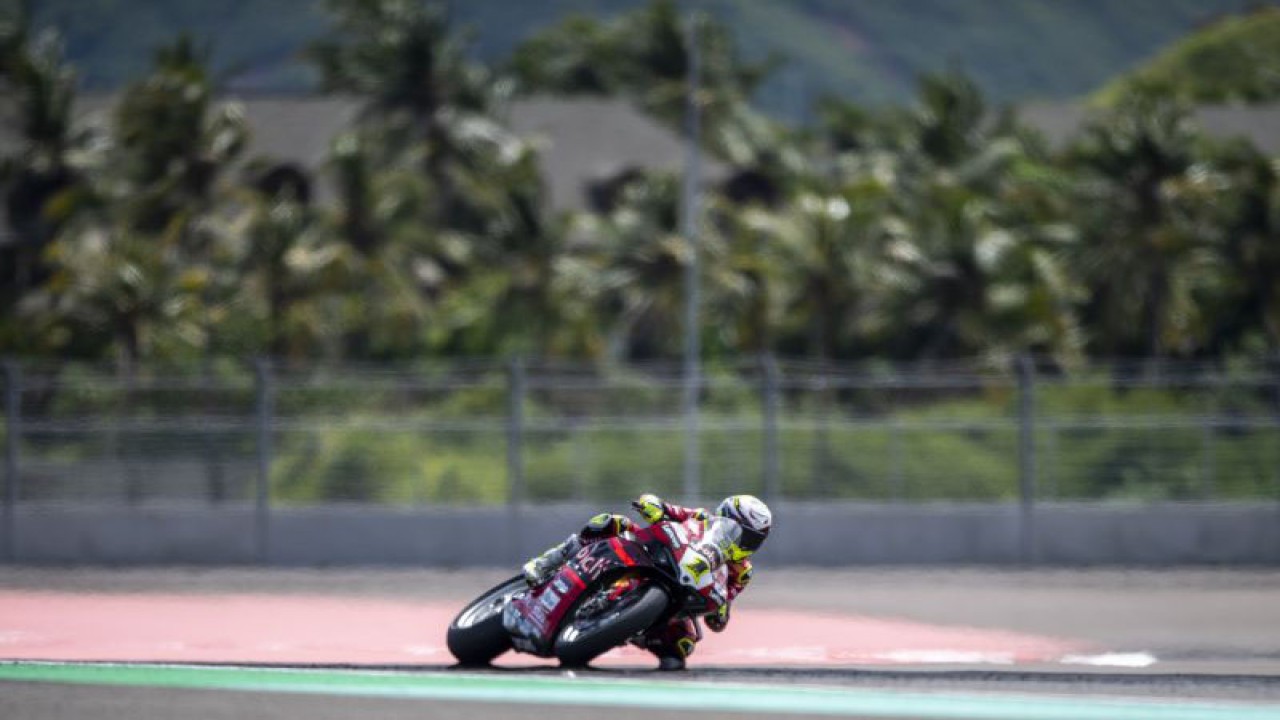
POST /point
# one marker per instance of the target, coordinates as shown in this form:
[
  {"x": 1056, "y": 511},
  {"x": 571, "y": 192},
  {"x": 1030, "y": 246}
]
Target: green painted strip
[{"x": 673, "y": 695}]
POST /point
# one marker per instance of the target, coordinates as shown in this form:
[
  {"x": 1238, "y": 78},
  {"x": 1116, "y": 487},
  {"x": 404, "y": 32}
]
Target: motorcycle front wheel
[
  {"x": 476, "y": 635},
  {"x": 598, "y": 626}
]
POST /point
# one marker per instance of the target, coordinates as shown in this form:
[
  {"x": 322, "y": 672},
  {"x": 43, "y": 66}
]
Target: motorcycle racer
[{"x": 734, "y": 532}]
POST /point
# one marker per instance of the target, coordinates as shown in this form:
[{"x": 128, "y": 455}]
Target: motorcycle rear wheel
[
  {"x": 583, "y": 639},
  {"x": 476, "y": 635}
]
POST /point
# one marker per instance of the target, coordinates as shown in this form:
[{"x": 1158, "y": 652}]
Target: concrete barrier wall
[{"x": 806, "y": 534}]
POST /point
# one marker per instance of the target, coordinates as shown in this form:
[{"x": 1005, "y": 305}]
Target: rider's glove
[
  {"x": 649, "y": 507},
  {"x": 718, "y": 619}
]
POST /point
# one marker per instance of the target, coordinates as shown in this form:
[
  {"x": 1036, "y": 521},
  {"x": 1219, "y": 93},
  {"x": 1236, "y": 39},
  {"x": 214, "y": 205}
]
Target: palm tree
[
  {"x": 833, "y": 251},
  {"x": 400, "y": 262},
  {"x": 37, "y": 181},
  {"x": 1035, "y": 296},
  {"x": 439, "y": 198},
  {"x": 985, "y": 275},
  {"x": 419, "y": 89},
  {"x": 289, "y": 263},
  {"x": 746, "y": 311},
  {"x": 950, "y": 120},
  {"x": 142, "y": 262},
  {"x": 1149, "y": 248},
  {"x": 484, "y": 287},
  {"x": 642, "y": 260},
  {"x": 518, "y": 297},
  {"x": 172, "y": 143},
  {"x": 1250, "y": 217},
  {"x": 895, "y": 271},
  {"x": 643, "y": 55}
]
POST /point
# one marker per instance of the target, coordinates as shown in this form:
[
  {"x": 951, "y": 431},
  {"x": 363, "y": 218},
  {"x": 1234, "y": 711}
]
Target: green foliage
[
  {"x": 1151, "y": 249},
  {"x": 1234, "y": 60},
  {"x": 138, "y": 260},
  {"x": 39, "y": 180},
  {"x": 937, "y": 230},
  {"x": 398, "y": 468},
  {"x": 1093, "y": 441},
  {"x": 644, "y": 55},
  {"x": 930, "y": 232}
]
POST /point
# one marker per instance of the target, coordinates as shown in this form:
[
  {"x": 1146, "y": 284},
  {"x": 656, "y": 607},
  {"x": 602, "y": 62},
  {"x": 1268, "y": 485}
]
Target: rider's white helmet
[{"x": 753, "y": 516}]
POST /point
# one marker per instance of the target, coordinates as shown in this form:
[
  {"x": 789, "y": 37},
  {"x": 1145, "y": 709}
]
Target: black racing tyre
[
  {"x": 476, "y": 635},
  {"x": 582, "y": 639}
]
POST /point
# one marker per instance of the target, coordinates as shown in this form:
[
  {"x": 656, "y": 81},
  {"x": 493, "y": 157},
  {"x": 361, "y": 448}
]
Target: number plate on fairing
[{"x": 695, "y": 569}]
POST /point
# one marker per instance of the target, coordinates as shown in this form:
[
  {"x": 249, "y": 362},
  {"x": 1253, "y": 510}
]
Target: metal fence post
[
  {"x": 690, "y": 212},
  {"x": 1026, "y": 459},
  {"x": 13, "y": 430},
  {"x": 772, "y": 462},
  {"x": 515, "y": 432},
  {"x": 897, "y": 465},
  {"x": 215, "y": 481},
  {"x": 265, "y": 409},
  {"x": 1208, "y": 439},
  {"x": 1051, "y": 460},
  {"x": 133, "y": 482},
  {"x": 1275, "y": 420},
  {"x": 578, "y": 459},
  {"x": 819, "y": 480}
]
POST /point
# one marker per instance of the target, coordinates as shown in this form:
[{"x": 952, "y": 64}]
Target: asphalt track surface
[{"x": 1212, "y": 638}]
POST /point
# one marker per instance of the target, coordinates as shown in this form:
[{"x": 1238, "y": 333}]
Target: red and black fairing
[
  {"x": 652, "y": 554},
  {"x": 611, "y": 560},
  {"x": 681, "y": 549}
]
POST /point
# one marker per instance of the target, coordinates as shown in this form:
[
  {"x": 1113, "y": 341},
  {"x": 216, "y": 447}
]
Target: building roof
[
  {"x": 585, "y": 139},
  {"x": 298, "y": 130},
  {"x": 1260, "y": 124},
  {"x": 581, "y": 140}
]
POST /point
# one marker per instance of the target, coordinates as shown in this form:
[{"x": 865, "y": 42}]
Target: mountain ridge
[{"x": 868, "y": 50}]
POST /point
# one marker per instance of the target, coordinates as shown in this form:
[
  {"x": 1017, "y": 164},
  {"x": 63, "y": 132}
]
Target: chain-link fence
[{"x": 494, "y": 432}]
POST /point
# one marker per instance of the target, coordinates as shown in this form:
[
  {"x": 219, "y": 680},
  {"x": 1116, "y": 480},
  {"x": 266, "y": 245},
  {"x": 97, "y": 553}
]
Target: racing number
[
  {"x": 695, "y": 568},
  {"x": 698, "y": 567}
]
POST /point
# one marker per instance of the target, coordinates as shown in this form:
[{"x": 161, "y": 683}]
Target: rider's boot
[
  {"x": 540, "y": 569},
  {"x": 670, "y": 662},
  {"x": 672, "y": 643}
]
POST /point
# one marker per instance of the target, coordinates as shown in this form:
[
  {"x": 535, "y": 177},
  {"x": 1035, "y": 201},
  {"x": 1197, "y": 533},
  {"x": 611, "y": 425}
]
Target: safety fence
[{"x": 493, "y": 432}]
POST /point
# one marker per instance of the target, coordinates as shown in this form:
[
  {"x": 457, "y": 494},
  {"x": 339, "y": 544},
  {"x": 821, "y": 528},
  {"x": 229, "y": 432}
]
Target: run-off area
[
  {"x": 246, "y": 628},
  {"x": 878, "y": 642}
]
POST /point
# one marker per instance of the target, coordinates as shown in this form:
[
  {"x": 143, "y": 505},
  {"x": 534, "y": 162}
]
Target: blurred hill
[
  {"x": 869, "y": 50},
  {"x": 1234, "y": 60}
]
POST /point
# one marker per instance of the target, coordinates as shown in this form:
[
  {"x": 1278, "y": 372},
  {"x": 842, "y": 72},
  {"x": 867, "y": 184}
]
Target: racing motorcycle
[{"x": 609, "y": 592}]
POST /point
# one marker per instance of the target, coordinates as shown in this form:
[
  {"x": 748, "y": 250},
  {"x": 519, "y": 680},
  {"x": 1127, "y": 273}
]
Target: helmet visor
[{"x": 751, "y": 540}]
